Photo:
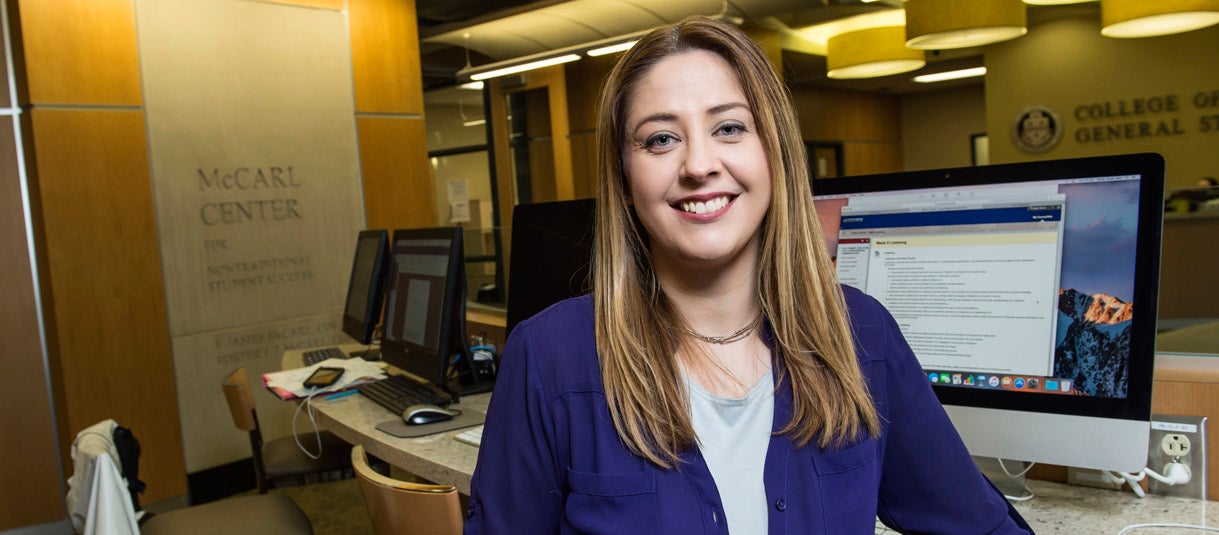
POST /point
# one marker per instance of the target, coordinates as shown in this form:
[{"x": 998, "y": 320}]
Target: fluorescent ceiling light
[
  {"x": 476, "y": 86},
  {"x": 475, "y": 122},
  {"x": 513, "y": 69},
  {"x": 612, "y": 48},
  {"x": 950, "y": 75}
]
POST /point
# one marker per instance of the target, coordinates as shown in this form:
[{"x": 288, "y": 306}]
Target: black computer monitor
[
  {"x": 366, "y": 290},
  {"x": 551, "y": 250},
  {"x": 1028, "y": 292},
  {"x": 424, "y": 327}
]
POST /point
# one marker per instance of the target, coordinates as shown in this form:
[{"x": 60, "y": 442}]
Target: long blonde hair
[{"x": 799, "y": 293}]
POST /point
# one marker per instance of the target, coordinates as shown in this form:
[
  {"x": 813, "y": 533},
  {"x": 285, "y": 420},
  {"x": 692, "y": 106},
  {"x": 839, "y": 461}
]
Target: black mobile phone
[{"x": 323, "y": 377}]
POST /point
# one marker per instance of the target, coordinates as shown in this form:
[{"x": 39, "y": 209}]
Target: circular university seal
[{"x": 1037, "y": 129}]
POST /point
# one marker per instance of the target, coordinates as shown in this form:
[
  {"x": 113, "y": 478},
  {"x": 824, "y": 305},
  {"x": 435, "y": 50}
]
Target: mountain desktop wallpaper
[
  {"x": 1093, "y": 343},
  {"x": 1096, "y": 302}
]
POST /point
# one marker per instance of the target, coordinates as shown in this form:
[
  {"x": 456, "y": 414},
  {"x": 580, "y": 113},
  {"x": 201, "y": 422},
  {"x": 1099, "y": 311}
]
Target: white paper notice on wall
[
  {"x": 459, "y": 201},
  {"x": 459, "y": 212}
]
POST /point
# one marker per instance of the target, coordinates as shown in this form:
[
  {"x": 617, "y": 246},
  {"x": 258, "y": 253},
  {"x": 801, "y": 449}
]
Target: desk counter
[
  {"x": 1057, "y": 507},
  {"x": 1070, "y": 509},
  {"x": 438, "y": 457}
]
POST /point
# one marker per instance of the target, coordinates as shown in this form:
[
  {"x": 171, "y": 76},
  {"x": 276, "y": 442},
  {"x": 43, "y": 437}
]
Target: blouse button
[
  {"x": 715, "y": 516},
  {"x": 781, "y": 504},
  {"x": 470, "y": 512}
]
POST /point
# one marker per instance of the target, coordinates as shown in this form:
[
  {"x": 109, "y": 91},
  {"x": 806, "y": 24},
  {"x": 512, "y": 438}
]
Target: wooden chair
[
  {"x": 281, "y": 460},
  {"x": 405, "y": 508}
]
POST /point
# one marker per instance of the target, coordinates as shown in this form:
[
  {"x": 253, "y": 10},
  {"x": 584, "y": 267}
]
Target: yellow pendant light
[
  {"x": 945, "y": 24},
  {"x": 871, "y": 53},
  {"x": 1055, "y": 2},
  {"x": 1147, "y": 18}
]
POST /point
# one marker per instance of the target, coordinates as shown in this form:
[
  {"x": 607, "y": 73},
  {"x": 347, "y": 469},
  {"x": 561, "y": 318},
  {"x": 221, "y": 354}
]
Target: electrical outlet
[
  {"x": 1180, "y": 439},
  {"x": 1175, "y": 445}
]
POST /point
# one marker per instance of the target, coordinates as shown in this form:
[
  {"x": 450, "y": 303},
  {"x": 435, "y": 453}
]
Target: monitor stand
[
  {"x": 1006, "y": 475},
  {"x": 472, "y": 377},
  {"x": 370, "y": 354}
]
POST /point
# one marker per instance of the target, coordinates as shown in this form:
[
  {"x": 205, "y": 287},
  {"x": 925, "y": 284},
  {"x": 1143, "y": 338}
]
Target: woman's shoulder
[
  {"x": 569, "y": 315},
  {"x": 871, "y": 324},
  {"x": 861, "y": 307},
  {"x": 558, "y": 342}
]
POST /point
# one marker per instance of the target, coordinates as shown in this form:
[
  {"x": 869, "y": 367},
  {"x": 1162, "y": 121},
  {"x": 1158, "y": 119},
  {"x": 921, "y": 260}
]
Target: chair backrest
[
  {"x": 241, "y": 406},
  {"x": 241, "y": 401},
  {"x": 406, "y": 508}
]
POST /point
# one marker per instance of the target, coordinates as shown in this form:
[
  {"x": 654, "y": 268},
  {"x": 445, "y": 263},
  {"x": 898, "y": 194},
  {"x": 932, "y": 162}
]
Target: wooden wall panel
[
  {"x": 1187, "y": 279},
  {"x": 81, "y": 52},
  {"x": 585, "y": 79},
  {"x": 6, "y": 97},
  {"x": 320, "y": 4},
  {"x": 385, "y": 62},
  {"x": 584, "y": 164},
  {"x": 870, "y": 158},
  {"x": 102, "y": 276},
  {"x": 398, "y": 191},
  {"x": 869, "y": 126},
  {"x": 30, "y": 491},
  {"x": 832, "y": 115}
]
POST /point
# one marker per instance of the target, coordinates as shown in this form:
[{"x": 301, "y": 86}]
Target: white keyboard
[{"x": 472, "y": 436}]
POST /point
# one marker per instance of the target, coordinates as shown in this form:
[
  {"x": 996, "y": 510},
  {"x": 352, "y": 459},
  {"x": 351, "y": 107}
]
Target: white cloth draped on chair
[{"x": 98, "y": 500}]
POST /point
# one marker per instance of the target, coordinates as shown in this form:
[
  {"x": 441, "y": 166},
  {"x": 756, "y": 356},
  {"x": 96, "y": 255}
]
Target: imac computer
[
  {"x": 551, "y": 251},
  {"x": 366, "y": 290},
  {"x": 424, "y": 327},
  {"x": 1027, "y": 291}
]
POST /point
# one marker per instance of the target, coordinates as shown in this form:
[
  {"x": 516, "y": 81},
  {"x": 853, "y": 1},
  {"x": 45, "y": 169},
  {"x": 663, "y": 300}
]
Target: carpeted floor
[{"x": 334, "y": 508}]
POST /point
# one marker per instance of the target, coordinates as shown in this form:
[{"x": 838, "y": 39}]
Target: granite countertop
[{"x": 1061, "y": 508}]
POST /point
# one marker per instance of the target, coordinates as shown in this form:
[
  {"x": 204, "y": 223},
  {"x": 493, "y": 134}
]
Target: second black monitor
[
  {"x": 551, "y": 251},
  {"x": 423, "y": 329}
]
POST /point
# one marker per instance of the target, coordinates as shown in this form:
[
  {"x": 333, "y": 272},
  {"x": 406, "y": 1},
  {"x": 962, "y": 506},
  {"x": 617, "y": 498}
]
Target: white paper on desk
[{"x": 356, "y": 371}]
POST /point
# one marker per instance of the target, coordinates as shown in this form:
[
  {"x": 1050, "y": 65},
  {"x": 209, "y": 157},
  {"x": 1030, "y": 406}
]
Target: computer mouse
[{"x": 425, "y": 414}]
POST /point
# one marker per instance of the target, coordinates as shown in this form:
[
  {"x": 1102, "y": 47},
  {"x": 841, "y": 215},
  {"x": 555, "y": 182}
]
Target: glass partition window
[{"x": 465, "y": 196}]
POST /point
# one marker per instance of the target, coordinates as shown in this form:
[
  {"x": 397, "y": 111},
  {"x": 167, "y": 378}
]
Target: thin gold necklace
[{"x": 740, "y": 334}]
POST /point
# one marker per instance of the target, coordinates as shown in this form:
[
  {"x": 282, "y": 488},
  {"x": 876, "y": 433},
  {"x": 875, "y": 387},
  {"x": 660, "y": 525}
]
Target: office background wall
[
  {"x": 98, "y": 255},
  {"x": 1111, "y": 79},
  {"x": 257, "y": 195},
  {"x": 29, "y": 459},
  {"x": 937, "y": 126}
]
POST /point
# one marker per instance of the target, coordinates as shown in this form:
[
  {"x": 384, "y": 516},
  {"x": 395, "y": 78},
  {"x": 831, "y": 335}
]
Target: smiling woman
[
  {"x": 718, "y": 379},
  {"x": 697, "y": 171}
]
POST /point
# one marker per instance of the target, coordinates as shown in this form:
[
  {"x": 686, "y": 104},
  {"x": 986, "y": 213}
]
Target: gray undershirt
[{"x": 733, "y": 437}]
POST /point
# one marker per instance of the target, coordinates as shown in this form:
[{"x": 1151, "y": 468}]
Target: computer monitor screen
[
  {"x": 424, "y": 325},
  {"x": 366, "y": 290},
  {"x": 551, "y": 250},
  {"x": 1027, "y": 291}
]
